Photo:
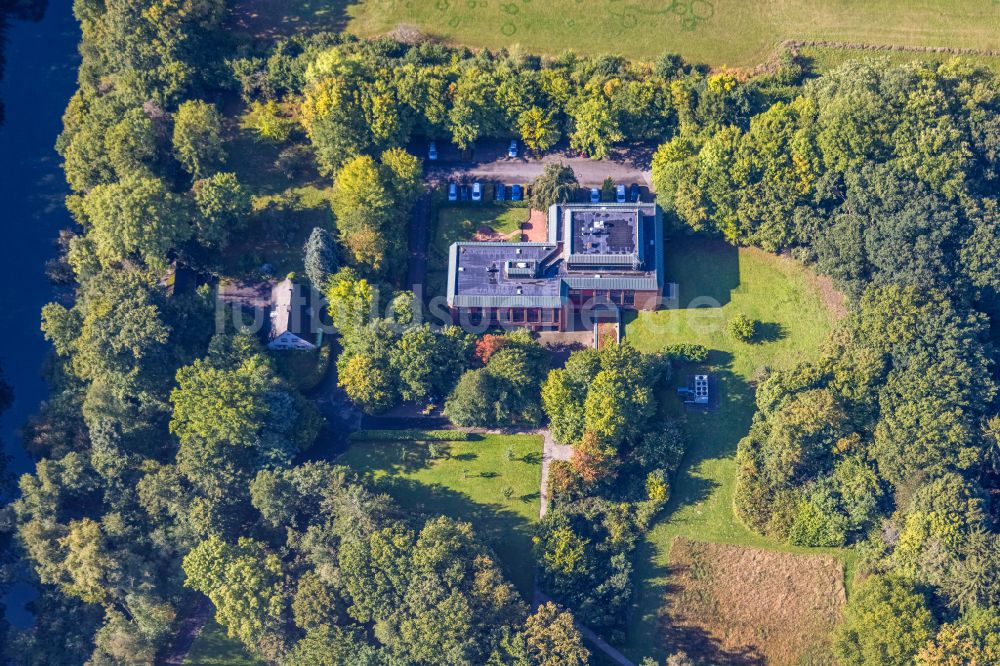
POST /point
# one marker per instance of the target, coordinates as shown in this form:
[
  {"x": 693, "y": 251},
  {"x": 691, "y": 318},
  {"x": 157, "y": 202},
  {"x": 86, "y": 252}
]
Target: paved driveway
[
  {"x": 417, "y": 264},
  {"x": 490, "y": 162}
]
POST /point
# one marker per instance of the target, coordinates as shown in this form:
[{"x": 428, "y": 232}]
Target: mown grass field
[
  {"x": 466, "y": 482},
  {"x": 718, "y": 32},
  {"x": 797, "y": 311}
]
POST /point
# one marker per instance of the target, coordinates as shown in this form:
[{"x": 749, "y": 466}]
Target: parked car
[
  {"x": 516, "y": 192},
  {"x": 465, "y": 192},
  {"x": 452, "y": 192},
  {"x": 477, "y": 191},
  {"x": 595, "y": 195},
  {"x": 620, "y": 194},
  {"x": 512, "y": 149},
  {"x": 432, "y": 151},
  {"x": 499, "y": 192},
  {"x": 634, "y": 192}
]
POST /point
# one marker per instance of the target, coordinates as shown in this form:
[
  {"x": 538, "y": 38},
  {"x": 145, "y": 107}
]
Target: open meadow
[
  {"x": 797, "y": 311},
  {"x": 738, "y": 33}
]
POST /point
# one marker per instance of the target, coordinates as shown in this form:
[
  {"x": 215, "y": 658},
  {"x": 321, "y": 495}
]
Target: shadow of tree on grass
[{"x": 770, "y": 332}]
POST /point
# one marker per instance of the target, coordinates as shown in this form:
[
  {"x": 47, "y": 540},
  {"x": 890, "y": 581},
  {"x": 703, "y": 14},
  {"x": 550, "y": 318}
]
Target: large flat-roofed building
[{"x": 597, "y": 258}]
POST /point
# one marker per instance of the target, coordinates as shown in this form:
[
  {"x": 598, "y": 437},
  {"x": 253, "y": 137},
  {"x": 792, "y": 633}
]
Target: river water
[{"x": 39, "y": 78}]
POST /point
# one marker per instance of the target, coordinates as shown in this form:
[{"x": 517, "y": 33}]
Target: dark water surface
[{"x": 39, "y": 78}]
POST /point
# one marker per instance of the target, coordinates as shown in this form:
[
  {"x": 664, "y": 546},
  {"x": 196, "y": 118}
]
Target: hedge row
[{"x": 410, "y": 435}]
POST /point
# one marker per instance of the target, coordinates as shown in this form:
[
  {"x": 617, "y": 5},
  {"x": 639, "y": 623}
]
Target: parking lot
[{"x": 489, "y": 162}]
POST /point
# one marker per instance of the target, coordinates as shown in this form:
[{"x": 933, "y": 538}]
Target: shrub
[
  {"x": 886, "y": 622},
  {"x": 819, "y": 520},
  {"x": 742, "y": 328},
  {"x": 686, "y": 353}
]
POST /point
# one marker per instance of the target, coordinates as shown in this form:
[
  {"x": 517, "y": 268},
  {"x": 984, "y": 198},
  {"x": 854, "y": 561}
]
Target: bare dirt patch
[
  {"x": 833, "y": 299},
  {"x": 488, "y": 234},
  {"x": 736, "y": 605},
  {"x": 536, "y": 229}
]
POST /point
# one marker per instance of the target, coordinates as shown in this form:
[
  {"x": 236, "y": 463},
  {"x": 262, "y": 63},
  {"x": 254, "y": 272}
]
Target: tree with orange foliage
[
  {"x": 488, "y": 345},
  {"x": 593, "y": 459}
]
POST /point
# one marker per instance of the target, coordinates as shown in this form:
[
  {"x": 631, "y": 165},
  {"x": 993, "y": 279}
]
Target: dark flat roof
[
  {"x": 605, "y": 232},
  {"x": 479, "y": 273}
]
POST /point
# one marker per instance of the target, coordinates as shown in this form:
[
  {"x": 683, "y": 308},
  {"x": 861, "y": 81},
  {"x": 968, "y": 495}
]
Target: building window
[
  {"x": 517, "y": 315},
  {"x": 628, "y": 298},
  {"x": 534, "y": 315}
]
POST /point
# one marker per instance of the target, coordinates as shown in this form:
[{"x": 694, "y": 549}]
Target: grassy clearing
[
  {"x": 730, "y": 604},
  {"x": 797, "y": 313},
  {"x": 214, "y": 648},
  {"x": 466, "y": 221},
  {"x": 467, "y": 482},
  {"x": 718, "y": 32}
]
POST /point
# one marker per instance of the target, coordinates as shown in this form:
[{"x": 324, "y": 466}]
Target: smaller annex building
[
  {"x": 598, "y": 259},
  {"x": 292, "y": 321}
]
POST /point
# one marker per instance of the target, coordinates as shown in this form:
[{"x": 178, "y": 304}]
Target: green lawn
[
  {"x": 788, "y": 300},
  {"x": 214, "y": 648},
  {"x": 718, "y": 32},
  {"x": 466, "y": 483},
  {"x": 461, "y": 222}
]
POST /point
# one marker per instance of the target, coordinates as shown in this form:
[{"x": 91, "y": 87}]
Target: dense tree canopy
[
  {"x": 504, "y": 391},
  {"x": 372, "y": 201},
  {"x": 166, "y": 455}
]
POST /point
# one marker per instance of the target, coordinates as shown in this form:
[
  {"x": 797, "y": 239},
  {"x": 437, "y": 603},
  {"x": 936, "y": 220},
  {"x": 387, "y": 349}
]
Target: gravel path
[{"x": 551, "y": 450}]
